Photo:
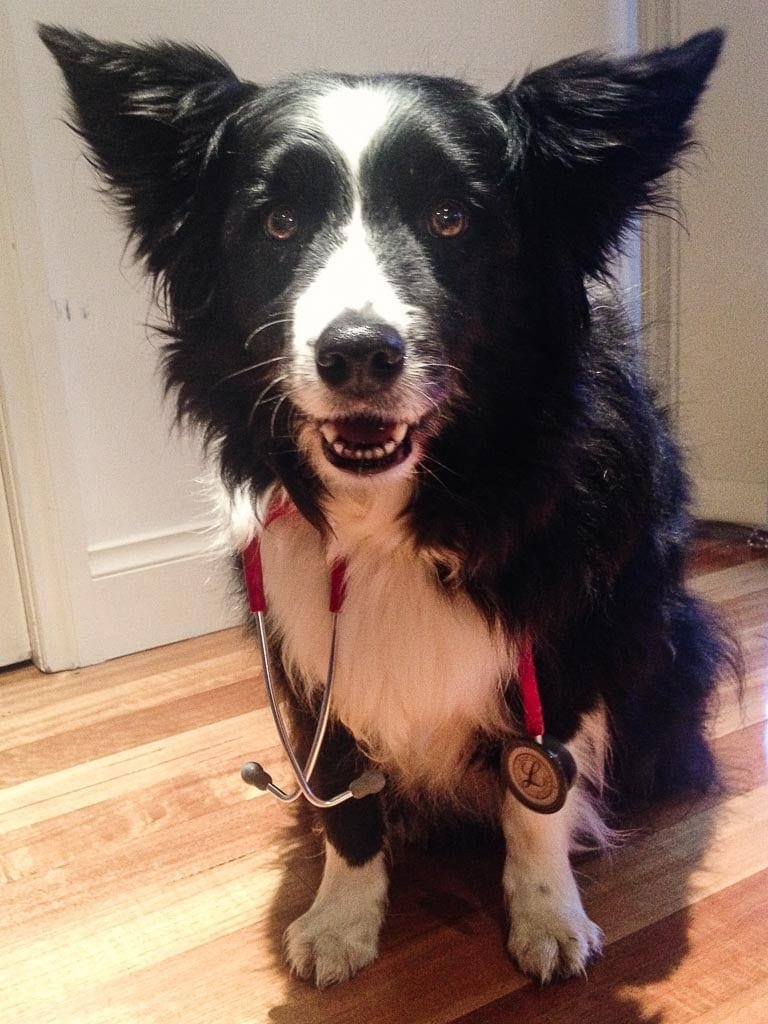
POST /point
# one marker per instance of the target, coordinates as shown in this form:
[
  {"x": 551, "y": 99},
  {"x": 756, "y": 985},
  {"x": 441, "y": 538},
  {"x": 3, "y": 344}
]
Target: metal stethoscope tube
[{"x": 252, "y": 773}]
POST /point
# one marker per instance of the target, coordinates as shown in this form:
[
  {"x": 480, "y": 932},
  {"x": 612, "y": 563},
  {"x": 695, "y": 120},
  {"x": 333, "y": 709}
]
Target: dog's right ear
[{"x": 152, "y": 117}]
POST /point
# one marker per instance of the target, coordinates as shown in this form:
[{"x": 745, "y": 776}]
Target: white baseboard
[
  {"x": 160, "y": 589},
  {"x": 149, "y": 549}
]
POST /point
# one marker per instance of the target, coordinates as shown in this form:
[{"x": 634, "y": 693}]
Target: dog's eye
[
  {"x": 281, "y": 223},
  {"x": 448, "y": 219}
]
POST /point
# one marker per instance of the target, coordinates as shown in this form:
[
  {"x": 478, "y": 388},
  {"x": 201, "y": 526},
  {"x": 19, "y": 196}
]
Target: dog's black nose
[{"x": 359, "y": 354}]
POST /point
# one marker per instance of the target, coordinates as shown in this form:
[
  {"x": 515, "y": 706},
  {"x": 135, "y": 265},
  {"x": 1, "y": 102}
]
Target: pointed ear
[
  {"x": 152, "y": 117},
  {"x": 593, "y": 136}
]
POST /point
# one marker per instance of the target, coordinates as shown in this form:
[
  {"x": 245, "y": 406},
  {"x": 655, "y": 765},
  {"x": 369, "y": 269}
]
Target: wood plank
[
  {"x": 742, "y": 580},
  {"x": 633, "y": 982},
  {"x": 212, "y": 749},
  {"x": 79, "y": 706},
  {"x": 34, "y": 689}
]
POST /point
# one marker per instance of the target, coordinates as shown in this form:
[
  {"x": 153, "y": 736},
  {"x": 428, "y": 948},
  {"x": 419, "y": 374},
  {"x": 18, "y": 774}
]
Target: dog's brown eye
[
  {"x": 281, "y": 223},
  {"x": 448, "y": 219}
]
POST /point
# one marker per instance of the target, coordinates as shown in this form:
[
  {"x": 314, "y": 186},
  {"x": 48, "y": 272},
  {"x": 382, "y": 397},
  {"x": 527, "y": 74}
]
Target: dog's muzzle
[{"x": 360, "y": 360}]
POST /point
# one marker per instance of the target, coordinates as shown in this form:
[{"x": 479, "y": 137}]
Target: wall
[
  {"x": 723, "y": 293},
  {"x": 136, "y": 495}
]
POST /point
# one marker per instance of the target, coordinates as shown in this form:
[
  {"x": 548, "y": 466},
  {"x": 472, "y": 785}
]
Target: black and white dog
[{"x": 384, "y": 302}]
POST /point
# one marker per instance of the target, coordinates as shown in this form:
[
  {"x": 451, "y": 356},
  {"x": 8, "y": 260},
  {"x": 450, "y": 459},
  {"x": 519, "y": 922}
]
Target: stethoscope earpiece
[
  {"x": 367, "y": 784},
  {"x": 254, "y": 775}
]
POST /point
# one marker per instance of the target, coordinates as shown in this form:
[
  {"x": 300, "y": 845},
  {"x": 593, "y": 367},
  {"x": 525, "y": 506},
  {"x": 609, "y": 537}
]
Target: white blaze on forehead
[
  {"x": 350, "y": 115},
  {"x": 351, "y": 280}
]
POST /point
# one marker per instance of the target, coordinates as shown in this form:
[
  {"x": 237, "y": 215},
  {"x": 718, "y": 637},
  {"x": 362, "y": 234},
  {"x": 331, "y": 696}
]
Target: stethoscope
[
  {"x": 537, "y": 769},
  {"x": 364, "y": 785}
]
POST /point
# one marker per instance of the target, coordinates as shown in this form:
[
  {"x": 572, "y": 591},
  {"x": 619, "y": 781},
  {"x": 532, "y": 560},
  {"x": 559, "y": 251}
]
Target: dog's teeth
[{"x": 358, "y": 453}]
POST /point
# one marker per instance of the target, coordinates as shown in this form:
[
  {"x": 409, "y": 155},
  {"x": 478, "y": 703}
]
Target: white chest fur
[{"x": 418, "y": 673}]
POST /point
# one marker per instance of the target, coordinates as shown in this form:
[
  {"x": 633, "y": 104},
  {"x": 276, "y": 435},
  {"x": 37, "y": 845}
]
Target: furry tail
[{"x": 661, "y": 743}]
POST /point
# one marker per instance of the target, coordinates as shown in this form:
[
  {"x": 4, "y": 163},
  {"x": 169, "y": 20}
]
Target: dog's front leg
[
  {"x": 549, "y": 933},
  {"x": 339, "y": 933}
]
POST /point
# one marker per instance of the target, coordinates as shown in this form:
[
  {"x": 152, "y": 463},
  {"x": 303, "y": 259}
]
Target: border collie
[{"x": 388, "y": 304}]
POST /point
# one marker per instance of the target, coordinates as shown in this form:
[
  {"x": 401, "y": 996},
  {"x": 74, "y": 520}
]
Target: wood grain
[{"x": 142, "y": 883}]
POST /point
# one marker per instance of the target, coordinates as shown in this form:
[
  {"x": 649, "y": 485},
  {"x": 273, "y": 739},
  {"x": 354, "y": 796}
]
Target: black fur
[{"x": 549, "y": 472}]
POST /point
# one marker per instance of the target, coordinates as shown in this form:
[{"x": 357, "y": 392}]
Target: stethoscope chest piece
[{"x": 539, "y": 772}]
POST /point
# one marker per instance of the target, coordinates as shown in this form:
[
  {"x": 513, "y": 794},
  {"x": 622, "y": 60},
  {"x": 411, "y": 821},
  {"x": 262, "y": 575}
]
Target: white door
[{"x": 14, "y": 638}]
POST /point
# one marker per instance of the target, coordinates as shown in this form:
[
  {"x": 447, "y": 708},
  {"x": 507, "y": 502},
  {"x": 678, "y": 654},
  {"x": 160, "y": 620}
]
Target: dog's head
[{"x": 355, "y": 268}]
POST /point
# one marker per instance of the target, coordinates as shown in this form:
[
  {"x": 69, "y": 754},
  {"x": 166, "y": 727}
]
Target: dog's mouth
[{"x": 366, "y": 446}]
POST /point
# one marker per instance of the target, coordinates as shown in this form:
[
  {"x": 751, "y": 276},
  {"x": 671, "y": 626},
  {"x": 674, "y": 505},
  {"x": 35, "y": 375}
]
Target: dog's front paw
[
  {"x": 548, "y": 938},
  {"x": 330, "y": 943}
]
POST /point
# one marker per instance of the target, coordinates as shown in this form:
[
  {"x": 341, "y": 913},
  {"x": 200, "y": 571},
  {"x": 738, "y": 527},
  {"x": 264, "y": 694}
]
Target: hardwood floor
[{"x": 143, "y": 883}]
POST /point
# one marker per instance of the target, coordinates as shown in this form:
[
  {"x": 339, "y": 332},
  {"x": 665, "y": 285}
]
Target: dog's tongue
[{"x": 364, "y": 432}]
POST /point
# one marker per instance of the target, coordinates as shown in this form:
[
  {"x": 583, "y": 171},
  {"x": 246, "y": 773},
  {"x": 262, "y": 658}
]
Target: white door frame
[
  {"x": 14, "y": 634},
  {"x": 43, "y": 495},
  {"x": 658, "y": 26}
]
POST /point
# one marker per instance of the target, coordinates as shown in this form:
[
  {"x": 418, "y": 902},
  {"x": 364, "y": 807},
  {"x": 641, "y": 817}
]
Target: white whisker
[
  {"x": 425, "y": 467},
  {"x": 274, "y": 415},
  {"x": 442, "y": 465},
  {"x": 247, "y": 369},
  {"x": 424, "y": 394},
  {"x": 264, "y": 327},
  {"x": 266, "y": 391},
  {"x": 447, "y": 366}
]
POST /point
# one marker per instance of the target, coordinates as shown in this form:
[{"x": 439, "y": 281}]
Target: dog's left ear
[{"x": 595, "y": 134}]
